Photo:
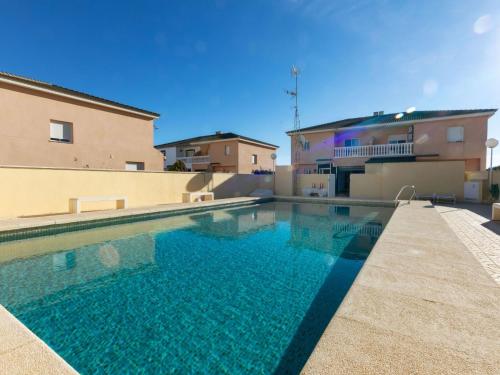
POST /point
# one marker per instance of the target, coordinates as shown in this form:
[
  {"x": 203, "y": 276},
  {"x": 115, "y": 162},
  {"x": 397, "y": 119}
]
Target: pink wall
[
  {"x": 102, "y": 138},
  {"x": 431, "y": 138}
]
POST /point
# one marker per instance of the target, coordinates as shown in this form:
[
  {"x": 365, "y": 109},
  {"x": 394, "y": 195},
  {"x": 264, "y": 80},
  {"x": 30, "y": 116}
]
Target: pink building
[
  {"x": 343, "y": 147},
  {"x": 46, "y": 125},
  {"x": 220, "y": 152}
]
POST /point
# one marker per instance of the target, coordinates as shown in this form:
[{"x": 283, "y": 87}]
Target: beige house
[
  {"x": 344, "y": 147},
  {"x": 46, "y": 125},
  {"x": 220, "y": 152}
]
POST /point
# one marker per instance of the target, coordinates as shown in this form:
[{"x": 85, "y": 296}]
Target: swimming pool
[{"x": 238, "y": 290}]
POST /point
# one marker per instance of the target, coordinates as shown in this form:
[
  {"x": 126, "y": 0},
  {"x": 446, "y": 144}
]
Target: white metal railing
[
  {"x": 367, "y": 229},
  {"x": 413, "y": 193},
  {"x": 205, "y": 159},
  {"x": 391, "y": 149}
]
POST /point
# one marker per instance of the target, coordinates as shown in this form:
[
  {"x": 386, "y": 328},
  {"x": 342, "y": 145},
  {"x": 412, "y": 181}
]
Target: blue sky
[{"x": 212, "y": 65}]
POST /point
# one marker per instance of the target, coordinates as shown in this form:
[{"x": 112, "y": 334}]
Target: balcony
[
  {"x": 190, "y": 160},
  {"x": 392, "y": 149}
]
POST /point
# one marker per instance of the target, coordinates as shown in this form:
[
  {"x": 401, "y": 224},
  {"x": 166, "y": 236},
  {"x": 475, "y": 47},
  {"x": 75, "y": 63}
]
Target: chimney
[{"x": 379, "y": 113}]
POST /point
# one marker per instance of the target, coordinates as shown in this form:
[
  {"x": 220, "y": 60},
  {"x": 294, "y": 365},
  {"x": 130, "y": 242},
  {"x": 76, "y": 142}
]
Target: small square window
[
  {"x": 134, "y": 166},
  {"x": 455, "y": 134},
  {"x": 61, "y": 131},
  {"x": 254, "y": 159}
]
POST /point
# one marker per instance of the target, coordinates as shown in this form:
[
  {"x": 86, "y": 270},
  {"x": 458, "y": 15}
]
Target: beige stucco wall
[
  {"x": 216, "y": 150},
  {"x": 284, "y": 180},
  {"x": 320, "y": 147},
  {"x": 102, "y": 138},
  {"x": 308, "y": 180},
  {"x": 431, "y": 138},
  {"x": 264, "y": 161},
  {"x": 383, "y": 181},
  {"x": 40, "y": 191},
  {"x": 227, "y": 185}
]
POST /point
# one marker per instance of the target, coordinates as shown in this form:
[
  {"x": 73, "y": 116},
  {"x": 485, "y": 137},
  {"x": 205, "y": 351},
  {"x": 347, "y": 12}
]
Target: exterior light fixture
[
  {"x": 273, "y": 157},
  {"x": 491, "y": 144}
]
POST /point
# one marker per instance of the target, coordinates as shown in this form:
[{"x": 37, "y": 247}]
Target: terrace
[{"x": 387, "y": 150}]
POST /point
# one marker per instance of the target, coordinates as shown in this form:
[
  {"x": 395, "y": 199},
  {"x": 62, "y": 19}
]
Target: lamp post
[
  {"x": 273, "y": 156},
  {"x": 491, "y": 144}
]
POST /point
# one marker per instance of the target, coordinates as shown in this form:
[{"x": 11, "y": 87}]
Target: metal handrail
[{"x": 403, "y": 189}]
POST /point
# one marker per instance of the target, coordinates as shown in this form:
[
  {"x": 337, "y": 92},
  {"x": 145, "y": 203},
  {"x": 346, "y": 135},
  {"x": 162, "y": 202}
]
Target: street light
[
  {"x": 273, "y": 156},
  {"x": 491, "y": 144}
]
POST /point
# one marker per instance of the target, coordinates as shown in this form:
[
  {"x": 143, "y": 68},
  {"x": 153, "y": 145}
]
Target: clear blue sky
[{"x": 210, "y": 65}]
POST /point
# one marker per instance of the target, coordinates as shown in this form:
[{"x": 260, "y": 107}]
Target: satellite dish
[
  {"x": 273, "y": 156},
  {"x": 399, "y": 115},
  {"x": 491, "y": 143},
  {"x": 302, "y": 139},
  {"x": 411, "y": 110}
]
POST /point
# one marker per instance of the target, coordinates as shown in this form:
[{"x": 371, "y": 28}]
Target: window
[
  {"x": 227, "y": 150},
  {"x": 134, "y": 166},
  {"x": 254, "y": 159},
  {"x": 61, "y": 131},
  {"x": 189, "y": 152},
  {"x": 306, "y": 146},
  {"x": 455, "y": 134},
  {"x": 397, "y": 138},
  {"x": 351, "y": 142}
]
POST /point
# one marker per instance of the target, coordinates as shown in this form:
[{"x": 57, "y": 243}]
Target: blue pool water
[{"x": 236, "y": 291}]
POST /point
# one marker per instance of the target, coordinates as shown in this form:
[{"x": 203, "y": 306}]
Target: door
[
  {"x": 331, "y": 186},
  {"x": 343, "y": 179},
  {"x": 472, "y": 191}
]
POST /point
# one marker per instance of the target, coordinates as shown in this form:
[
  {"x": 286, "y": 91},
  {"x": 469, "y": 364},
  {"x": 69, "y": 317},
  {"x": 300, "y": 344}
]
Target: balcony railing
[
  {"x": 188, "y": 160},
  {"x": 392, "y": 149}
]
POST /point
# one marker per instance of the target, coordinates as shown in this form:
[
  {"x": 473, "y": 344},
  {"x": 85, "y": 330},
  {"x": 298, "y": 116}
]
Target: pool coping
[
  {"x": 24, "y": 228},
  {"x": 22, "y": 352},
  {"x": 421, "y": 304}
]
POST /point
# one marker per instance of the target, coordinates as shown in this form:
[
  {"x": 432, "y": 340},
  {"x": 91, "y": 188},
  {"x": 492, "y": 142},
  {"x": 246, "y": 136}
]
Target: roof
[
  {"x": 215, "y": 137},
  {"x": 391, "y": 119},
  {"x": 63, "y": 90}
]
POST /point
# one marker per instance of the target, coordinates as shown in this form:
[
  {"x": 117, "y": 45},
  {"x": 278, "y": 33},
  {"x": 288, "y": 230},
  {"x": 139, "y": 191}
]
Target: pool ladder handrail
[{"x": 414, "y": 193}]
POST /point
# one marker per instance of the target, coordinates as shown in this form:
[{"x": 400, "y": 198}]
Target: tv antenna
[
  {"x": 295, "y": 72},
  {"x": 299, "y": 138}
]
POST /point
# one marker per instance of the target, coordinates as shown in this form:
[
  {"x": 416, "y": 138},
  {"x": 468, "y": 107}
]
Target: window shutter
[
  {"x": 455, "y": 134},
  {"x": 66, "y": 130},
  {"x": 56, "y": 131}
]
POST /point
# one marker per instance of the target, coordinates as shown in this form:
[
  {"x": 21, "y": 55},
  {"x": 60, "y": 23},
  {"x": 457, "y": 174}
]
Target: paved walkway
[
  {"x": 472, "y": 224},
  {"x": 40, "y": 221},
  {"x": 421, "y": 304}
]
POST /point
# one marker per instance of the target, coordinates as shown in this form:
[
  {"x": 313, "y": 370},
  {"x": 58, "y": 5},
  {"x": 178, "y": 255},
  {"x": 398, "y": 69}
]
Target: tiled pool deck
[
  {"x": 472, "y": 224},
  {"x": 421, "y": 304}
]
